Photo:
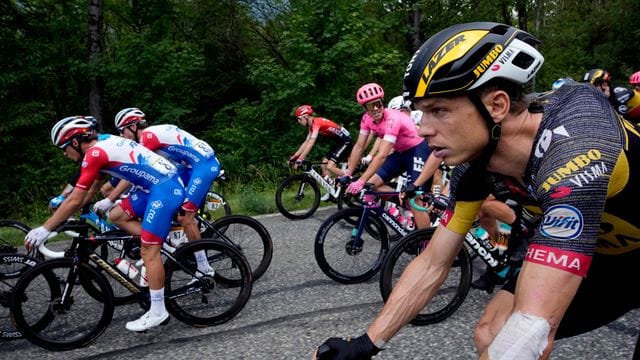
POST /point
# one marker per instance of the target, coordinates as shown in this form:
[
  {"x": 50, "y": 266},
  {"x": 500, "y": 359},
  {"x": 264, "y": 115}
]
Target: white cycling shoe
[
  {"x": 147, "y": 321},
  {"x": 325, "y": 197}
]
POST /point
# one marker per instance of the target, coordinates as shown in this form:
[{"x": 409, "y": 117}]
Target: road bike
[
  {"x": 298, "y": 196},
  {"x": 351, "y": 244},
  {"x": 12, "y": 266},
  {"x": 455, "y": 288},
  {"x": 66, "y": 303}
]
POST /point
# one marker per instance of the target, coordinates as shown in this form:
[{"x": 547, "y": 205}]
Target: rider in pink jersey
[
  {"x": 158, "y": 187},
  {"x": 401, "y": 149}
]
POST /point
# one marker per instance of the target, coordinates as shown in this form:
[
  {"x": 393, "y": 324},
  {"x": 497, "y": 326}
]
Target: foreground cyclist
[
  {"x": 576, "y": 160},
  {"x": 161, "y": 194}
]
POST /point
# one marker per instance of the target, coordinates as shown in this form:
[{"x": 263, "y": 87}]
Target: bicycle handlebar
[{"x": 48, "y": 252}]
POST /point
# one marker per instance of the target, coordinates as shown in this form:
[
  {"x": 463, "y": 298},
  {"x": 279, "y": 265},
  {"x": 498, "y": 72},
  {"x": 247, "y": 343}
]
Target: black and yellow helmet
[
  {"x": 463, "y": 57},
  {"x": 597, "y": 76}
]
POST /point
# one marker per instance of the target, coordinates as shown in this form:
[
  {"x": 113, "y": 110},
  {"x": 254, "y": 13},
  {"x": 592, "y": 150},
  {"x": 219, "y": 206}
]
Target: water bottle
[
  {"x": 126, "y": 267},
  {"x": 482, "y": 235},
  {"x": 436, "y": 190},
  {"x": 409, "y": 223},
  {"x": 504, "y": 233},
  {"x": 394, "y": 212},
  {"x": 143, "y": 277}
]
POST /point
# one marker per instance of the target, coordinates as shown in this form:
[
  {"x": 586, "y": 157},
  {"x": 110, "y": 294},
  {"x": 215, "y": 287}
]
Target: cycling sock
[
  {"x": 157, "y": 302},
  {"x": 203, "y": 263}
]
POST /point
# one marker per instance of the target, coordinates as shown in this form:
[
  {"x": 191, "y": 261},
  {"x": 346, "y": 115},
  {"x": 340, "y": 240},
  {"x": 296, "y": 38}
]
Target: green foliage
[{"x": 233, "y": 71}]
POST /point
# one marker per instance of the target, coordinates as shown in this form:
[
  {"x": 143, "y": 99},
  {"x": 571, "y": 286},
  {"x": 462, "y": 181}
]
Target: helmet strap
[{"x": 495, "y": 129}]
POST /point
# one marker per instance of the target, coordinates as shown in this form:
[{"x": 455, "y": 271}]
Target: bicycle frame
[
  {"x": 381, "y": 213},
  {"x": 309, "y": 170}
]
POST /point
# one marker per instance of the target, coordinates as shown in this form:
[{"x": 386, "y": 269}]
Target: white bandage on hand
[{"x": 522, "y": 337}]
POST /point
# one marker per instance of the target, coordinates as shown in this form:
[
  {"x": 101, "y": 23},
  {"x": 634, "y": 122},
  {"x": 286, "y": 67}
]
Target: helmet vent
[{"x": 523, "y": 61}]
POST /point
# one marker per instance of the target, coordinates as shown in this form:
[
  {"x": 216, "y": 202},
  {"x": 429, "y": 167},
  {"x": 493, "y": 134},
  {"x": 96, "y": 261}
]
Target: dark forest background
[{"x": 233, "y": 71}]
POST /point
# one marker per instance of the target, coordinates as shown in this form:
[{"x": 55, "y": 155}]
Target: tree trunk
[{"x": 96, "y": 83}]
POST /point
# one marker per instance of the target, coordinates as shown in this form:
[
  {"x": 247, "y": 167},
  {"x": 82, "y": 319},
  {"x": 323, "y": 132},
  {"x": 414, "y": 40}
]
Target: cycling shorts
[
  {"x": 411, "y": 160},
  {"x": 340, "y": 151},
  {"x": 198, "y": 179},
  {"x": 155, "y": 208}
]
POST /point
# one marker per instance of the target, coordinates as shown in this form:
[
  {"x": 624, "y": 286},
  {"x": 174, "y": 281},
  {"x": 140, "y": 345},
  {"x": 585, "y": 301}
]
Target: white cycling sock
[
  {"x": 201, "y": 259},
  {"x": 157, "y": 302}
]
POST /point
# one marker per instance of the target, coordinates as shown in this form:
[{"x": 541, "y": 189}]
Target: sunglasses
[
  {"x": 370, "y": 106},
  {"x": 122, "y": 129}
]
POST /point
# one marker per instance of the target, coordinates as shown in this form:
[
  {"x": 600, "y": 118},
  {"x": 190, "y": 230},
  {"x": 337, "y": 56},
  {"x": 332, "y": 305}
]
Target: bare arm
[
  {"x": 418, "y": 284},
  {"x": 545, "y": 292},
  {"x": 384, "y": 150},
  {"x": 122, "y": 186},
  {"x": 66, "y": 209},
  {"x": 306, "y": 147}
]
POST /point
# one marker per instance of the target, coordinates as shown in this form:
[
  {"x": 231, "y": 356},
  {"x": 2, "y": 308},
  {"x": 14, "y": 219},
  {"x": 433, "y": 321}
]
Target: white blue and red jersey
[
  {"x": 196, "y": 160},
  {"x": 159, "y": 191}
]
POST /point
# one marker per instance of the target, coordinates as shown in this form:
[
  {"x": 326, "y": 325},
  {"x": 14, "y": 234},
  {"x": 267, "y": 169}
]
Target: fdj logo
[{"x": 562, "y": 222}]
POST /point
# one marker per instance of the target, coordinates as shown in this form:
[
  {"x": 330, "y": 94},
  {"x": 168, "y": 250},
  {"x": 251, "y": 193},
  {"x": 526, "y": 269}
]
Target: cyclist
[
  {"x": 401, "y": 148},
  {"x": 399, "y": 103},
  {"x": 161, "y": 194},
  {"x": 575, "y": 160},
  {"x": 634, "y": 80},
  {"x": 319, "y": 126},
  {"x": 196, "y": 161},
  {"x": 600, "y": 78}
]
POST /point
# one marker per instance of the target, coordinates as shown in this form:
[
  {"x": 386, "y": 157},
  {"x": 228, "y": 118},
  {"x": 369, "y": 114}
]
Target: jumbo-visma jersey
[
  {"x": 583, "y": 177},
  {"x": 124, "y": 159}
]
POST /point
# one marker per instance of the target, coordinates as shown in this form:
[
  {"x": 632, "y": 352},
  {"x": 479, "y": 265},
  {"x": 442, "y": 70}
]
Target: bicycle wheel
[
  {"x": 12, "y": 266},
  {"x": 215, "y": 206},
  {"x": 48, "y": 321},
  {"x": 298, "y": 197},
  {"x": 207, "y": 300},
  {"x": 345, "y": 259},
  {"x": 12, "y": 235},
  {"x": 451, "y": 293},
  {"x": 248, "y": 236}
]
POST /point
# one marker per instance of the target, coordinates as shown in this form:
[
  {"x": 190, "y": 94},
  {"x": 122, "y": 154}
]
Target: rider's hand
[
  {"x": 103, "y": 205},
  {"x": 347, "y": 349},
  {"x": 355, "y": 186},
  {"x": 293, "y": 159},
  {"x": 55, "y": 202},
  {"x": 366, "y": 160},
  {"x": 344, "y": 180},
  {"x": 410, "y": 191},
  {"x": 36, "y": 237},
  {"x": 297, "y": 163}
]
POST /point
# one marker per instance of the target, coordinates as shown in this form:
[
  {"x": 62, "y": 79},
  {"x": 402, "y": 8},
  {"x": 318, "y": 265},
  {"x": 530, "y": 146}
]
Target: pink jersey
[
  {"x": 395, "y": 127},
  {"x": 124, "y": 159}
]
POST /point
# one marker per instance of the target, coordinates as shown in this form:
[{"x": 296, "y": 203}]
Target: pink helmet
[
  {"x": 304, "y": 110},
  {"x": 369, "y": 92},
  {"x": 634, "y": 79}
]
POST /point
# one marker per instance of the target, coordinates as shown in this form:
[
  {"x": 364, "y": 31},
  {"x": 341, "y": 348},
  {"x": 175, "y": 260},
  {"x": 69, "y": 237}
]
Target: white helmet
[
  {"x": 68, "y": 128},
  {"x": 398, "y": 103},
  {"x": 128, "y": 116}
]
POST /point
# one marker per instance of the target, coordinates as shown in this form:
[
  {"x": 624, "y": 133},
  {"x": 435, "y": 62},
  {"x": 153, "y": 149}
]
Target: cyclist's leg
[
  {"x": 200, "y": 179},
  {"x": 336, "y": 155},
  {"x": 163, "y": 201},
  {"x": 126, "y": 214},
  {"x": 417, "y": 160}
]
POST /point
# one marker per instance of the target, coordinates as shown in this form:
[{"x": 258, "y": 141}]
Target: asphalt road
[{"x": 294, "y": 307}]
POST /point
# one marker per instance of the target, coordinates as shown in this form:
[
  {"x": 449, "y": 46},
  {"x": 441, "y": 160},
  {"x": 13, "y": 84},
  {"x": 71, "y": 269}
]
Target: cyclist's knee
[{"x": 482, "y": 335}]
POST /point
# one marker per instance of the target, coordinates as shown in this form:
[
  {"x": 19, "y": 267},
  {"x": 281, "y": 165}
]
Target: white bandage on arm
[{"x": 522, "y": 337}]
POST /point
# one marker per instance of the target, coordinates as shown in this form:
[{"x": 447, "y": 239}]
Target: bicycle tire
[
  {"x": 451, "y": 294},
  {"x": 12, "y": 234},
  {"x": 333, "y": 246},
  {"x": 12, "y": 266},
  {"x": 210, "y": 300},
  {"x": 298, "y": 197},
  {"x": 247, "y": 235},
  {"x": 38, "y": 314}
]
